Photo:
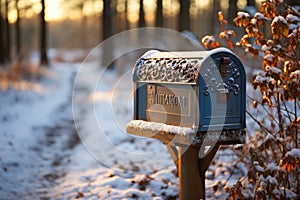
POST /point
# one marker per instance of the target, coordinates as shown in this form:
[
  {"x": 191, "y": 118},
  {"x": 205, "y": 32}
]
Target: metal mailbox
[{"x": 203, "y": 90}]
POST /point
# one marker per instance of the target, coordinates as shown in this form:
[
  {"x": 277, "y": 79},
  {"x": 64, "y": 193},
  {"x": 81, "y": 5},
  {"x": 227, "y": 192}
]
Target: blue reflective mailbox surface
[{"x": 203, "y": 90}]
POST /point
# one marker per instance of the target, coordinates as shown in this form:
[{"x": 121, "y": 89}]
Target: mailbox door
[{"x": 222, "y": 92}]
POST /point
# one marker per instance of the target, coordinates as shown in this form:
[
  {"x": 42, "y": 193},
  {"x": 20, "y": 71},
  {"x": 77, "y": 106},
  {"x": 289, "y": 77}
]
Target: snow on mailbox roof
[
  {"x": 184, "y": 54},
  {"x": 174, "y": 54},
  {"x": 177, "y": 66}
]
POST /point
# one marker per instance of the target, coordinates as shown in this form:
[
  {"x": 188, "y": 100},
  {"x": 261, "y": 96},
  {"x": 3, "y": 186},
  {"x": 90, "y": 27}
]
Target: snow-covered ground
[
  {"x": 41, "y": 156},
  {"x": 36, "y": 131}
]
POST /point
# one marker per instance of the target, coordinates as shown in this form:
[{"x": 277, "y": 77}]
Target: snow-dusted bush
[{"x": 273, "y": 154}]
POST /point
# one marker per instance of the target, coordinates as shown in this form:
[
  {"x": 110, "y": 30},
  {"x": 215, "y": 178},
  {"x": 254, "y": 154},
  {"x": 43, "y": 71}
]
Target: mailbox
[
  {"x": 203, "y": 90},
  {"x": 190, "y": 100}
]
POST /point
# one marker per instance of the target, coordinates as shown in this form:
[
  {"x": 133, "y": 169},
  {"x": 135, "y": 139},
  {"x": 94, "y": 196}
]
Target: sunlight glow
[
  {"x": 241, "y": 4},
  {"x": 203, "y": 3},
  {"x": 12, "y": 16},
  {"x": 29, "y": 14},
  {"x": 121, "y": 6},
  {"x": 133, "y": 11},
  {"x": 170, "y": 7},
  {"x": 193, "y": 9},
  {"x": 88, "y": 8},
  {"x": 224, "y": 5},
  {"x": 53, "y": 10},
  {"x": 92, "y": 7},
  {"x": 37, "y": 8},
  {"x": 76, "y": 14}
]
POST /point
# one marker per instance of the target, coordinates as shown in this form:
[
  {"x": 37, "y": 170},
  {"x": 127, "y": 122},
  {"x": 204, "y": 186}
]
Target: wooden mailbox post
[{"x": 189, "y": 101}]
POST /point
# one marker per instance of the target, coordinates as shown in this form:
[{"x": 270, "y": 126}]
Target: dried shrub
[{"x": 273, "y": 154}]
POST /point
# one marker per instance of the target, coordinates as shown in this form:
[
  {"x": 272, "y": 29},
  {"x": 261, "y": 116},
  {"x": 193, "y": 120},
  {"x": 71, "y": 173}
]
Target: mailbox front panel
[
  {"x": 222, "y": 92},
  {"x": 172, "y": 104}
]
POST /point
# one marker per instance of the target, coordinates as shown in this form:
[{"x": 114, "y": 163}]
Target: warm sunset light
[
  {"x": 149, "y": 99},
  {"x": 133, "y": 9},
  {"x": 54, "y": 10},
  {"x": 58, "y": 9}
]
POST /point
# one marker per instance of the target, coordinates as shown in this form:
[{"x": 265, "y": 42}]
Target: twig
[
  {"x": 259, "y": 123},
  {"x": 270, "y": 114},
  {"x": 286, "y": 109},
  {"x": 283, "y": 109},
  {"x": 296, "y": 118}
]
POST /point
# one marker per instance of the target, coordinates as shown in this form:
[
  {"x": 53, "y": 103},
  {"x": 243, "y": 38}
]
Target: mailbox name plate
[{"x": 171, "y": 104}]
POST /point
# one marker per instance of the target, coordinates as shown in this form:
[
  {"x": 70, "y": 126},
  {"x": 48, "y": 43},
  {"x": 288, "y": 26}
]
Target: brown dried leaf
[
  {"x": 220, "y": 16},
  {"x": 79, "y": 195},
  {"x": 210, "y": 42},
  {"x": 254, "y": 104}
]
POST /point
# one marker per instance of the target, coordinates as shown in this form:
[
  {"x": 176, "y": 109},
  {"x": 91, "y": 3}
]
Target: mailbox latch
[
  {"x": 151, "y": 94},
  {"x": 223, "y": 66}
]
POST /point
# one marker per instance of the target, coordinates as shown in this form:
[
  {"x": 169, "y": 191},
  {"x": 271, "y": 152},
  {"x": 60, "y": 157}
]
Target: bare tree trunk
[
  {"x": 106, "y": 20},
  {"x": 184, "y": 15},
  {"x": 127, "y": 26},
  {"x": 7, "y": 36},
  {"x": 251, "y": 3},
  {"x": 107, "y": 50},
  {"x": 83, "y": 26},
  {"x": 2, "y": 58},
  {"x": 159, "y": 14},
  {"x": 214, "y": 17},
  {"x": 18, "y": 29},
  {"x": 83, "y": 31},
  {"x": 232, "y": 10},
  {"x": 43, "y": 39},
  {"x": 142, "y": 22}
]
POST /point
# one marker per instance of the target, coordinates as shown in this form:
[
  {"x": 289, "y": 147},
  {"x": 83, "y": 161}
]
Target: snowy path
[
  {"x": 118, "y": 165},
  {"x": 37, "y": 134}
]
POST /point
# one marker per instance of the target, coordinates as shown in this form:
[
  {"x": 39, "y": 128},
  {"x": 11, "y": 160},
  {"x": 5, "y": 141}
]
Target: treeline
[
  {"x": 11, "y": 44},
  {"x": 97, "y": 20}
]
